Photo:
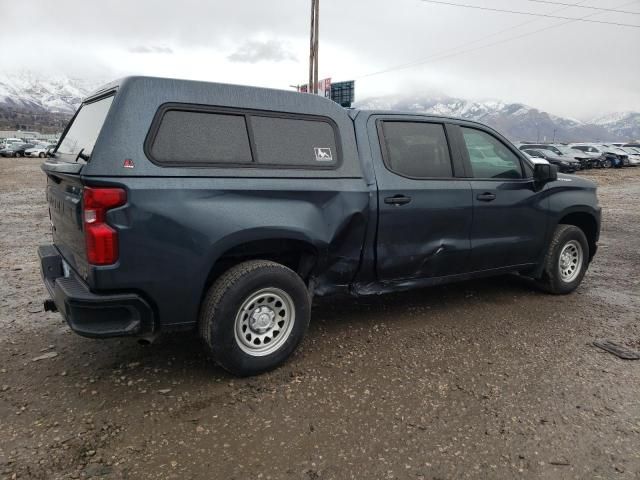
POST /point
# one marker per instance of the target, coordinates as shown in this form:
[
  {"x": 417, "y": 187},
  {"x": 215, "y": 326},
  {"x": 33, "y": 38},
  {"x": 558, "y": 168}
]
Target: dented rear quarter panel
[
  {"x": 173, "y": 234},
  {"x": 179, "y": 221}
]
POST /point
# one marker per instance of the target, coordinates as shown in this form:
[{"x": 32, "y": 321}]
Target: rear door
[
  {"x": 64, "y": 184},
  {"x": 509, "y": 212},
  {"x": 425, "y": 211}
]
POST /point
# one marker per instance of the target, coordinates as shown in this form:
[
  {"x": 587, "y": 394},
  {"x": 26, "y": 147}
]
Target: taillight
[{"x": 101, "y": 239}]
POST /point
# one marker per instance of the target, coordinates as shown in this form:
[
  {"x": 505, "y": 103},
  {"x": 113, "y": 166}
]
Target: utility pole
[{"x": 313, "y": 47}]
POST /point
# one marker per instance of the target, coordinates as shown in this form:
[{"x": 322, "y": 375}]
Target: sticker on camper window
[{"x": 323, "y": 154}]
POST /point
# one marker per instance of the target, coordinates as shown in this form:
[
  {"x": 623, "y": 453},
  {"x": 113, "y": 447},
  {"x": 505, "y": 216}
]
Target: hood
[{"x": 574, "y": 181}]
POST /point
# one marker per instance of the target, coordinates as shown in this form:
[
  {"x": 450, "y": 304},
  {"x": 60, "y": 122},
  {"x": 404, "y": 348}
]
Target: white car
[
  {"x": 634, "y": 155},
  {"x": 38, "y": 151}
]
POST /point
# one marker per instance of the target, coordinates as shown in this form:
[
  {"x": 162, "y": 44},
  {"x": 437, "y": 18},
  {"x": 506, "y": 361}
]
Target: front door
[
  {"x": 509, "y": 212},
  {"x": 425, "y": 211}
]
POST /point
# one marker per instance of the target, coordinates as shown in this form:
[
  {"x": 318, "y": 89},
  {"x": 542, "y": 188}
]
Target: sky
[{"x": 569, "y": 68}]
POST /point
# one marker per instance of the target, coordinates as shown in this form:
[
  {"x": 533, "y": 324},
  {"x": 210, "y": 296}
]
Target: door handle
[
  {"x": 397, "y": 200},
  {"x": 486, "y": 197}
]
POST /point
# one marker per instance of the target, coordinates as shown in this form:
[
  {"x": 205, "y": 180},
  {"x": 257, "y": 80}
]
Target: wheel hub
[
  {"x": 570, "y": 261},
  {"x": 262, "y": 319}
]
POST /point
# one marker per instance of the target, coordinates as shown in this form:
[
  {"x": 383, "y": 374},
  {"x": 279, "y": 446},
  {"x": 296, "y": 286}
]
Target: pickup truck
[{"x": 223, "y": 209}]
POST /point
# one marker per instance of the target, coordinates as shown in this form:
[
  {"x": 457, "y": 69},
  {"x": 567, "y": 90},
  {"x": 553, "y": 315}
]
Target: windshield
[
  {"x": 564, "y": 150},
  {"x": 83, "y": 132},
  {"x": 617, "y": 150}
]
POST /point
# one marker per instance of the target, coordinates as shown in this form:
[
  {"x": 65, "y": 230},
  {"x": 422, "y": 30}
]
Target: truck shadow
[
  {"x": 493, "y": 291},
  {"x": 179, "y": 360},
  {"x": 183, "y": 354}
]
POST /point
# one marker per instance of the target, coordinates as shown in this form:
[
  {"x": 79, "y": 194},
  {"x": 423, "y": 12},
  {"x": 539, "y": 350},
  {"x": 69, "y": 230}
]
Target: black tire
[
  {"x": 552, "y": 280},
  {"x": 41, "y": 155},
  {"x": 224, "y": 301},
  {"x": 18, "y": 155},
  {"x": 606, "y": 164}
]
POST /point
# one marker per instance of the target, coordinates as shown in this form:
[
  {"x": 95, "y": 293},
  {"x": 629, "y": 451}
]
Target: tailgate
[
  {"x": 64, "y": 185},
  {"x": 64, "y": 196}
]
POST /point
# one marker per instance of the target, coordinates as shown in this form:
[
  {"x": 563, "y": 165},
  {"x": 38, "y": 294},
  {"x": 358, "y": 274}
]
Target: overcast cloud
[
  {"x": 578, "y": 69},
  {"x": 254, "y": 51}
]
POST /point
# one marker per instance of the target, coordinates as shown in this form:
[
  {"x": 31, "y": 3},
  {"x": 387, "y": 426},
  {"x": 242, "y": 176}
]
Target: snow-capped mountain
[
  {"x": 26, "y": 91},
  {"x": 626, "y": 124},
  {"x": 31, "y": 101},
  {"x": 516, "y": 120}
]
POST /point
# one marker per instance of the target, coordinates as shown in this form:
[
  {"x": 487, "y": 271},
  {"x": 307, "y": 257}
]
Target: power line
[
  {"x": 584, "y": 6},
  {"x": 477, "y": 7},
  {"x": 473, "y": 42},
  {"x": 439, "y": 56}
]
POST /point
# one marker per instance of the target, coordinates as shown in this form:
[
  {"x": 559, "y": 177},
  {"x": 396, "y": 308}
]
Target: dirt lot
[{"x": 484, "y": 379}]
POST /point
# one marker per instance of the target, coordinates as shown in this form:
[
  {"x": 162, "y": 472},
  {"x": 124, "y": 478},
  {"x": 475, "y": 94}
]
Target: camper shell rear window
[
  {"x": 80, "y": 136},
  {"x": 197, "y": 136}
]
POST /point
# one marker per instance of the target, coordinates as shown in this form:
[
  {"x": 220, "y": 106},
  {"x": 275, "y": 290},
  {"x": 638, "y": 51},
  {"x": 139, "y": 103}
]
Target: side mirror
[{"x": 545, "y": 173}]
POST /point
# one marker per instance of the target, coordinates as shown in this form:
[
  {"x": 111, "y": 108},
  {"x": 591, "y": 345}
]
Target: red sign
[{"x": 324, "y": 87}]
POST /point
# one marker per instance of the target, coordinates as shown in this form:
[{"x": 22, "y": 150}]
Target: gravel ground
[{"x": 486, "y": 379}]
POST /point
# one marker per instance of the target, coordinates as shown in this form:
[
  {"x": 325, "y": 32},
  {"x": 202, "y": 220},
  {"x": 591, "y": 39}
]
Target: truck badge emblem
[
  {"x": 323, "y": 154},
  {"x": 128, "y": 163}
]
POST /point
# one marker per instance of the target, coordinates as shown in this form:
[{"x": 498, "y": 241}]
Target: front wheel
[
  {"x": 41, "y": 155},
  {"x": 18, "y": 154},
  {"x": 254, "y": 316},
  {"x": 566, "y": 262}
]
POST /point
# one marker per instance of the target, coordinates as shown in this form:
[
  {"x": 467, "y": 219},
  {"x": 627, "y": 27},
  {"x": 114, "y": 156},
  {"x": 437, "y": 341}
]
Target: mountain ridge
[
  {"x": 30, "y": 101},
  {"x": 517, "y": 121}
]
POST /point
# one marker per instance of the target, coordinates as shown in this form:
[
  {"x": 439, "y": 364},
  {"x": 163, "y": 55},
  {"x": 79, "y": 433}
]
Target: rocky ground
[{"x": 487, "y": 379}]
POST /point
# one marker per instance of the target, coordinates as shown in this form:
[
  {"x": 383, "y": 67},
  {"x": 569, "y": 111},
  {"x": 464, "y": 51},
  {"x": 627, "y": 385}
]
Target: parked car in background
[
  {"x": 586, "y": 160},
  {"x": 561, "y": 150},
  {"x": 635, "y": 150},
  {"x": 624, "y": 158},
  {"x": 15, "y": 149},
  {"x": 38, "y": 151},
  {"x": 596, "y": 159},
  {"x": 634, "y": 155},
  {"x": 607, "y": 159},
  {"x": 564, "y": 163},
  {"x": 546, "y": 146}
]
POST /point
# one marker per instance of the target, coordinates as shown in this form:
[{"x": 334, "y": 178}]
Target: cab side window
[
  {"x": 416, "y": 149},
  {"x": 489, "y": 157}
]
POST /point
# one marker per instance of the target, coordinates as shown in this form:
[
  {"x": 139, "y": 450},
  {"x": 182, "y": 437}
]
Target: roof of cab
[{"x": 354, "y": 112}]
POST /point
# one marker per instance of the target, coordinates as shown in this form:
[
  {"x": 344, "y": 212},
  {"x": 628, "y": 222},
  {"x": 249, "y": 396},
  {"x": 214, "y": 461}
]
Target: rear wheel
[
  {"x": 566, "y": 262},
  {"x": 254, "y": 316},
  {"x": 18, "y": 155}
]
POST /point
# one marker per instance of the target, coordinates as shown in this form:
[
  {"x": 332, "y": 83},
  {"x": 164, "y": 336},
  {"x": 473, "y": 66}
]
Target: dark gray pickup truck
[{"x": 189, "y": 205}]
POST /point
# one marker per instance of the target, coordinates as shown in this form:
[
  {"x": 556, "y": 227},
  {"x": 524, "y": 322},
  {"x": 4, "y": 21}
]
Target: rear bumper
[{"x": 90, "y": 314}]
